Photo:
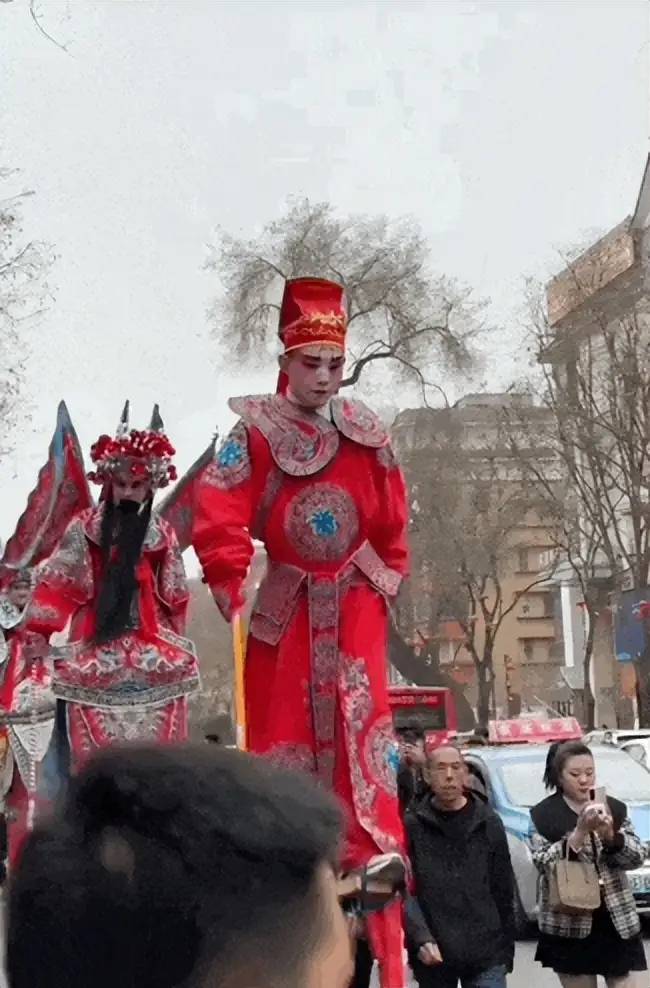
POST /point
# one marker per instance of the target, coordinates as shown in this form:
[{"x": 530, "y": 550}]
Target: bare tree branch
[
  {"x": 401, "y": 316},
  {"x": 596, "y": 386},
  {"x": 473, "y": 503},
  {"x": 24, "y": 294},
  {"x": 14, "y": 261},
  {"x": 37, "y": 21}
]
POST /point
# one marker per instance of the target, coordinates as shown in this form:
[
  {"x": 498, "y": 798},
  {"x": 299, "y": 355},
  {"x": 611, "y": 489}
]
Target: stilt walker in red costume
[
  {"x": 27, "y": 702},
  {"x": 312, "y": 476},
  {"x": 117, "y": 576}
]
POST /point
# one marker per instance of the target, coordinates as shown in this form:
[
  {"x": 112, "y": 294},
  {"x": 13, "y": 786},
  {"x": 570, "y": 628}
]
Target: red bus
[{"x": 432, "y": 707}]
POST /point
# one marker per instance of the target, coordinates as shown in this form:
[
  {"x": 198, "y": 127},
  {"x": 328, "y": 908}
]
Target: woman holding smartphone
[{"x": 581, "y": 822}]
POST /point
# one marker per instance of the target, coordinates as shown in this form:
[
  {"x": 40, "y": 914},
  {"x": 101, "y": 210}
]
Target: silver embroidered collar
[{"x": 10, "y": 615}]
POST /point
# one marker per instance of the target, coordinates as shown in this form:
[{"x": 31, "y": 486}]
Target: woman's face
[
  {"x": 314, "y": 373},
  {"x": 578, "y": 778}
]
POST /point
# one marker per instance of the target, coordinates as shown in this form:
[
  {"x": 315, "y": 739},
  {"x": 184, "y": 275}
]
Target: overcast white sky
[{"x": 508, "y": 129}]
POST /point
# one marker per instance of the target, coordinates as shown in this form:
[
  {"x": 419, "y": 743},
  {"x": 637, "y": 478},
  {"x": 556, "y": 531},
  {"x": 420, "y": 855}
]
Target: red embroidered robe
[
  {"x": 27, "y": 711},
  {"x": 328, "y": 500},
  {"x": 134, "y": 688}
]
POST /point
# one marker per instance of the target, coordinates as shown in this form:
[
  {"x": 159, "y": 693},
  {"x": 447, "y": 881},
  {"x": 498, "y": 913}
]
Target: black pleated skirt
[{"x": 603, "y": 952}]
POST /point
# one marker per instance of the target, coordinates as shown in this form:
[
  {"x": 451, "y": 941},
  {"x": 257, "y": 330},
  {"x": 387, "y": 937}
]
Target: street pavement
[{"x": 527, "y": 973}]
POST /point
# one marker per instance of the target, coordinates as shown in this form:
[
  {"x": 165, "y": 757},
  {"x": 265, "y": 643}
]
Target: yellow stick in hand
[{"x": 239, "y": 649}]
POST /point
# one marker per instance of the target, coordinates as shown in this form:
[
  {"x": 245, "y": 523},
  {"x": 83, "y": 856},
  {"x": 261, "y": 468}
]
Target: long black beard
[{"x": 124, "y": 527}]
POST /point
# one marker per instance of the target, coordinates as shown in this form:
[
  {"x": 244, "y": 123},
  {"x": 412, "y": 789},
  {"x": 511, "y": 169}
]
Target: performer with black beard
[
  {"x": 125, "y": 521},
  {"x": 117, "y": 578}
]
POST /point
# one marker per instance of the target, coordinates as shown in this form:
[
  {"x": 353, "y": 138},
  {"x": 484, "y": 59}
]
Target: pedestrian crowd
[{"x": 202, "y": 867}]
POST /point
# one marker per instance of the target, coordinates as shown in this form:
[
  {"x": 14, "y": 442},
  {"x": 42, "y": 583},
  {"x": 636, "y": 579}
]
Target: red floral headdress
[{"x": 143, "y": 454}]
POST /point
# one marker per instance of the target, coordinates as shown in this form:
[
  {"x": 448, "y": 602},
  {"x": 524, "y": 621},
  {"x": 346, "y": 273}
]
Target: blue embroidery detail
[
  {"x": 324, "y": 523},
  {"x": 392, "y": 758},
  {"x": 230, "y": 454}
]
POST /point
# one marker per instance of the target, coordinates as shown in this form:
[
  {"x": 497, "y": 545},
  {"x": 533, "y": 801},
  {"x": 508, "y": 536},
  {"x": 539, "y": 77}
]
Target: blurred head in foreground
[{"x": 192, "y": 867}]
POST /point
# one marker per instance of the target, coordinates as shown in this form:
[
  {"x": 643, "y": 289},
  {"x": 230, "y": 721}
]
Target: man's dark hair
[
  {"x": 412, "y": 732},
  {"x": 124, "y": 528},
  {"x": 475, "y": 740},
  {"x": 168, "y": 867},
  {"x": 558, "y": 755}
]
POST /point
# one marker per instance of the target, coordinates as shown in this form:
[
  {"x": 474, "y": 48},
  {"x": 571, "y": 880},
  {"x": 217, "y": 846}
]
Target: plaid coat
[{"x": 612, "y": 863}]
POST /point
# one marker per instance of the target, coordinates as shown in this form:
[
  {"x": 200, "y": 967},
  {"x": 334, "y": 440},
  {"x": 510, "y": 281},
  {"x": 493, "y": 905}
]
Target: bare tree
[
  {"x": 401, "y": 315},
  {"x": 596, "y": 384},
  {"x": 24, "y": 293},
  {"x": 546, "y": 462},
  {"x": 419, "y": 662},
  {"x": 469, "y": 507}
]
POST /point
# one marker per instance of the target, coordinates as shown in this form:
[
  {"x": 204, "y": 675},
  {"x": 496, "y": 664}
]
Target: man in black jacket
[{"x": 460, "y": 921}]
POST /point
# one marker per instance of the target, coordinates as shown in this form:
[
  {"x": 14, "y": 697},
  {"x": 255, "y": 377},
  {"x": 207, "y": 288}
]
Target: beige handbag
[{"x": 573, "y": 887}]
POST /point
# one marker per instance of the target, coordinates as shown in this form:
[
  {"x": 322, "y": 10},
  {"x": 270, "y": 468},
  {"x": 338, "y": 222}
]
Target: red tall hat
[{"x": 313, "y": 313}]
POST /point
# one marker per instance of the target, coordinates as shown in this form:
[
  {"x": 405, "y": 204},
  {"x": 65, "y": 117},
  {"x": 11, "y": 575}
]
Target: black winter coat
[{"x": 464, "y": 887}]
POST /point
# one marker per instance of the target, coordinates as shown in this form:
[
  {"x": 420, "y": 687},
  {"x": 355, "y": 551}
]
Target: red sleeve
[
  {"x": 390, "y": 530},
  {"x": 64, "y": 583},
  {"x": 224, "y": 512}
]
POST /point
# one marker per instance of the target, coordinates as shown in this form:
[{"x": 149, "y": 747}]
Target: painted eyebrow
[{"x": 321, "y": 360}]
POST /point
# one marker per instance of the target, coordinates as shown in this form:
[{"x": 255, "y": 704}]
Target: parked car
[
  {"x": 635, "y": 742},
  {"x": 511, "y": 775},
  {"x": 639, "y": 749},
  {"x": 617, "y": 736}
]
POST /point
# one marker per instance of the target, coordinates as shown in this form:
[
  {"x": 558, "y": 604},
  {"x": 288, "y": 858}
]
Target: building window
[
  {"x": 537, "y": 607},
  {"x": 528, "y": 560},
  {"x": 535, "y": 651}
]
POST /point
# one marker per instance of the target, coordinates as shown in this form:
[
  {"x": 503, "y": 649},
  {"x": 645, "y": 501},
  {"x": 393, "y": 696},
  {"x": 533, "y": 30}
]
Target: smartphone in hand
[{"x": 598, "y": 795}]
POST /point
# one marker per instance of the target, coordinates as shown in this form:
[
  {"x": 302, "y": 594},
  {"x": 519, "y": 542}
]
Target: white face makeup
[
  {"x": 314, "y": 374},
  {"x": 131, "y": 489}
]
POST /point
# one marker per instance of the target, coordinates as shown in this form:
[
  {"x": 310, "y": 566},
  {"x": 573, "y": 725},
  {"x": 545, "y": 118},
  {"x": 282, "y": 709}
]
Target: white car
[
  {"x": 639, "y": 749},
  {"x": 634, "y": 741},
  {"x": 616, "y": 736}
]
